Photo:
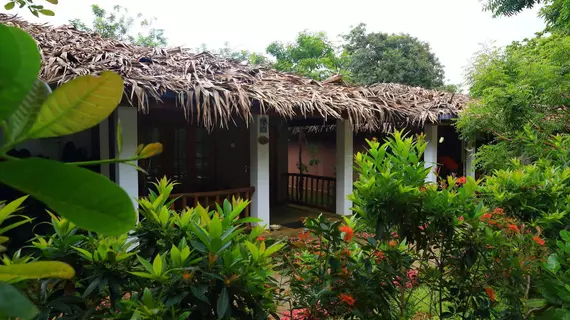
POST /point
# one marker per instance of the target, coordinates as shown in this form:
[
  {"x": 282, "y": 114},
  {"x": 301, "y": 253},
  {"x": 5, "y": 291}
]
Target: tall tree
[
  {"x": 117, "y": 24},
  {"x": 312, "y": 55},
  {"x": 241, "y": 55},
  {"x": 519, "y": 90},
  {"x": 399, "y": 58}
]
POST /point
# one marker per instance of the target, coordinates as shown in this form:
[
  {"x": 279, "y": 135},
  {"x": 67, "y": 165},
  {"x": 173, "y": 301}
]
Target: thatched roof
[{"x": 215, "y": 90}]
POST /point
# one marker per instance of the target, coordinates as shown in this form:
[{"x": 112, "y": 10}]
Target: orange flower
[
  {"x": 514, "y": 228},
  {"x": 379, "y": 255},
  {"x": 260, "y": 238},
  {"x": 461, "y": 180},
  {"x": 346, "y": 298},
  {"x": 486, "y": 216},
  {"x": 348, "y": 232},
  {"x": 347, "y": 252},
  {"x": 499, "y": 211},
  {"x": 490, "y": 293},
  {"x": 187, "y": 276},
  {"x": 538, "y": 240},
  {"x": 393, "y": 243}
]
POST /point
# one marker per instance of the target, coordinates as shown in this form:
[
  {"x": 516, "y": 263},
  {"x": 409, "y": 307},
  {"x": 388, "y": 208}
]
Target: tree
[
  {"x": 398, "y": 58},
  {"x": 240, "y": 55},
  {"x": 312, "y": 55},
  {"x": 35, "y": 9},
  {"x": 520, "y": 90},
  {"x": 117, "y": 24},
  {"x": 556, "y": 13}
]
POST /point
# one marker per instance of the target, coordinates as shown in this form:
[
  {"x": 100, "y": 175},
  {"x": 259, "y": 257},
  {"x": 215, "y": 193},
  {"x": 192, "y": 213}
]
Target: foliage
[
  {"x": 334, "y": 275},
  {"x": 509, "y": 7},
  {"x": 240, "y": 55},
  {"x": 176, "y": 265},
  {"x": 554, "y": 283},
  {"x": 556, "y": 13},
  {"x": 29, "y": 110},
  {"x": 399, "y": 58},
  {"x": 35, "y": 9},
  {"x": 312, "y": 55},
  {"x": 519, "y": 95},
  {"x": 391, "y": 174},
  {"x": 117, "y": 24}
]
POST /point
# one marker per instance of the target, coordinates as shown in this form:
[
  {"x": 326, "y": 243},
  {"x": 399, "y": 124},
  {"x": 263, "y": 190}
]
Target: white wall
[
  {"x": 259, "y": 168},
  {"x": 127, "y": 176},
  {"x": 344, "y": 166}
]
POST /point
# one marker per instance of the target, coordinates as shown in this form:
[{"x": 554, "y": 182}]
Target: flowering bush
[{"x": 335, "y": 275}]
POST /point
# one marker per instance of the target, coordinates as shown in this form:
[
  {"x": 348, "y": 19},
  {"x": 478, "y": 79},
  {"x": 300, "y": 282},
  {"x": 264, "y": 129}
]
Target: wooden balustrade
[
  {"x": 210, "y": 198},
  {"x": 312, "y": 191}
]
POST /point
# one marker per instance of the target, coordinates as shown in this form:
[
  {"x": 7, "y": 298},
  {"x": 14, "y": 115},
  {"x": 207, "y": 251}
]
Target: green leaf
[
  {"x": 273, "y": 248},
  {"x": 19, "y": 67},
  {"x": 9, "y": 5},
  {"x": 47, "y": 12},
  {"x": 157, "y": 265},
  {"x": 119, "y": 137},
  {"x": 52, "y": 1},
  {"x": 536, "y": 303},
  {"x": 78, "y": 105},
  {"x": 145, "y": 264},
  {"x": 553, "y": 264},
  {"x": 19, "y": 122},
  {"x": 223, "y": 303},
  {"x": 87, "y": 199},
  {"x": 147, "y": 298},
  {"x": 13, "y": 304},
  {"x": 36, "y": 270},
  {"x": 11, "y": 207}
]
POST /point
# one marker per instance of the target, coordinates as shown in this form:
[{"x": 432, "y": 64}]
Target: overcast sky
[{"x": 455, "y": 29}]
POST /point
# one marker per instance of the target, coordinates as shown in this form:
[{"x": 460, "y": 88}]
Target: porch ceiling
[{"x": 217, "y": 90}]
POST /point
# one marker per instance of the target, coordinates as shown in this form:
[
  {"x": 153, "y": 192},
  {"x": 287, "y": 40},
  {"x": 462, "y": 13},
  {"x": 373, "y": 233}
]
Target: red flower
[
  {"x": 395, "y": 235},
  {"x": 499, "y": 211},
  {"x": 303, "y": 235},
  {"x": 486, "y": 216},
  {"x": 346, "y": 252},
  {"x": 461, "y": 219},
  {"x": 346, "y": 298},
  {"x": 393, "y": 243},
  {"x": 490, "y": 293},
  {"x": 461, "y": 180},
  {"x": 514, "y": 228},
  {"x": 260, "y": 238},
  {"x": 348, "y": 232},
  {"x": 379, "y": 255},
  {"x": 538, "y": 240}
]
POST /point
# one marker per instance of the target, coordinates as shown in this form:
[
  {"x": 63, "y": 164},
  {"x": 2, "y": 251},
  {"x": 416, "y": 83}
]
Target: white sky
[{"x": 455, "y": 29}]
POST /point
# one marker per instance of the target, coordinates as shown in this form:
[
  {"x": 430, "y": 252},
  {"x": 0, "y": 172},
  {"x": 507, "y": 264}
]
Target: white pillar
[
  {"x": 344, "y": 168},
  {"x": 104, "y": 146},
  {"x": 430, "y": 154},
  {"x": 469, "y": 160},
  {"x": 127, "y": 176},
  {"x": 259, "y": 167}
]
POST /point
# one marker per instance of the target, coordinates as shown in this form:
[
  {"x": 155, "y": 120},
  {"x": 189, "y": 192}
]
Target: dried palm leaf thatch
[{"x": 216, "y": 90}]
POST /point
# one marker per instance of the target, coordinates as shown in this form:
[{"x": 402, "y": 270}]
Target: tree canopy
[
  {"x": 519, "y": 89},
  {"x": 118, "y": 24},
  {"x": 556, "y": 13},
  {"x": 312, "y": 55},
  {"x": 399, "y": 58}
]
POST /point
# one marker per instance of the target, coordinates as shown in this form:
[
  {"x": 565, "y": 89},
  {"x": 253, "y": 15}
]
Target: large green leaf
[
  {"x": 13, "y": 304},
  {"x": 78, "y": 105},
  {"x": 19, "y": 67},
  {"x": 22, "y": 119},
  {"x": 36, "y": 270},
  {"x": 88, "y": 199},
  {"x": 223, "y": 303}
]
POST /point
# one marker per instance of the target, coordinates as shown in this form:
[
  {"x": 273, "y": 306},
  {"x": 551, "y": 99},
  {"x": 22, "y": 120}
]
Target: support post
[
  {"x": 430, "y": 154},
  {"x": 344, "y": 166},
  {"x": 469, "y": 159},
  {"x": 127, "y": 176},
  {"x": 104, "y": 146},
  {"x": 259, "y": 167}
]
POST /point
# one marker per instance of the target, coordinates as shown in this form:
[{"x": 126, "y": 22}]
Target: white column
[
  {"x": 430, "y": 154},
  {"x": 104, "y": 146},
  {"x": 469, "y": 159},
  {"x": 127, "y": 176},
  {"x": 259, "y": 167},
  {"x": 344, "y": 166}
]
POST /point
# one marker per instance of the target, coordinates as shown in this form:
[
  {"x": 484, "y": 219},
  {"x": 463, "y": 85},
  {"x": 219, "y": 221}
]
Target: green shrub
[{"x": 195, "y": 263}]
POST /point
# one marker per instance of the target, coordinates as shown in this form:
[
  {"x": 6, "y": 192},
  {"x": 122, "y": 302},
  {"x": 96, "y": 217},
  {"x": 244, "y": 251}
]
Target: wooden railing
[
  {"x": 210, "y": 198},
  {"x": 312, "y": 191}
]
